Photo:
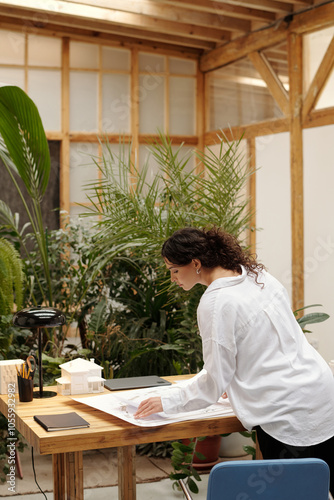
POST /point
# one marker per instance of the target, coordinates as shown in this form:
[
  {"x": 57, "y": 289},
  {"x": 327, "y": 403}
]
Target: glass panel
[
  {"x": 277, "y": 56},
  {"x": 326, "y": 98},
  {"x": 12, "y": 76},
  {"x": 12, "y": 45},
  {"x": 314, "y": 48},
  {"x": 239, "y": 96},
  {"x": 82, "y": 170},
  {"x": 83, "y": 101},
  {"x": 186, "y": 153},
  {"x": 116, "y": 103},
  {"x": 84, "y": 55},
  {"x": 44, "y": 51},
  {"x": 182, "y": 66},
  {"x": 145, "y": 157},
  {"x": 44, "y": 88},
  {"x": 151, "y": 104},
  {"x": 116, "y": 58},
  {"x": 151, "y": 63},
  {"x": 182, "y": 106},
  {"x": 115, "y": 155}
]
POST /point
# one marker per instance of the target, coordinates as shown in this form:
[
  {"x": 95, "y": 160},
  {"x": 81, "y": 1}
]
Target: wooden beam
[
  {"x": 317, "y": 18},
  {"x": 319, "y": 80},
  {"x": 223, "y": 8},
  {"x": 270, "y": 5},
  {"x": 62, "y": 12},
  {"x": 252, "y": 194},
  {"x": 241, "y": 47},
  {"x": 274, "y": 84},
  {"x": 295, "y": 58},
  {"x": 122, "y": 37},
  {"x": 200, "y": 115},
  {"x": 160, "y": 10},
  {"x": 320, "y": 118},
  {"x": 249, "y": 131}
]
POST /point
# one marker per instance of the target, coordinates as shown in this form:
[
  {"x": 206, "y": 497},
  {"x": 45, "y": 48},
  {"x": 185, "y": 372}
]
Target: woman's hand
[{"x": 149, "y": 406}]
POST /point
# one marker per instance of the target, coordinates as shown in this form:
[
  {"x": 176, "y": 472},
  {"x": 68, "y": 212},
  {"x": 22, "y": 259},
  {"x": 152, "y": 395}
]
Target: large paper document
[{"x": 124, "y": 405}]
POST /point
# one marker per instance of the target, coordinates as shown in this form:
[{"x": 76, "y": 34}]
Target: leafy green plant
[
  {"x": 24, "y": 151},
  {"x": 182, "y": 462},
  {"x": 135, "y": 217},
  {"x": 310, "y": 318}
]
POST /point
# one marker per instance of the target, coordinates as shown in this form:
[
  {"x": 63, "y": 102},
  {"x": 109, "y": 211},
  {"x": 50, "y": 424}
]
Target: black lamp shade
[
  {"x": 39, "y": 317},
  {"x": 35, "y": 317}
]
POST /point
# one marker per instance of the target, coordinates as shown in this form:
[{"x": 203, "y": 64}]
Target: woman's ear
[{"x": 197, "y": 264}]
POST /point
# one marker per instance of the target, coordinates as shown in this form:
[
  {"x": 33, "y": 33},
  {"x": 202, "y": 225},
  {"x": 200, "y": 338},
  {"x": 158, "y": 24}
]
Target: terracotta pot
[{"x": 209, "y": 448}]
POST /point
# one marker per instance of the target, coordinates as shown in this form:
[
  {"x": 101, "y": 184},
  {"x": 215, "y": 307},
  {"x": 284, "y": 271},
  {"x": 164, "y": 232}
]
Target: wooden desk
[{"x": 105, "y": 431}]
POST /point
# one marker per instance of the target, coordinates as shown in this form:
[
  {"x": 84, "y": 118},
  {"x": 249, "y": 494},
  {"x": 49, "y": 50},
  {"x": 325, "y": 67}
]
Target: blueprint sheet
[{"x": 124, "y": 404}]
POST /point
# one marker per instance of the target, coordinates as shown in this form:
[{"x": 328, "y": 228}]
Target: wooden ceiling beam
[
  {"x": 160, "y": 10},
  {"x": 274, "y": 84},
  {"x": 320, "y": 17},
  {"x": 95, "y": 17},
  {"x": 276, "y": 6},
  {"x": 241, "y": 47},
  {"x": 176, "y": 45},
  {"x": 191, "y": 38},
  {"x": 222, "y": 8}
]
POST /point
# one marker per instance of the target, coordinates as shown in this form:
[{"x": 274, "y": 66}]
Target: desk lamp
[{"x": 39, "y": 317}]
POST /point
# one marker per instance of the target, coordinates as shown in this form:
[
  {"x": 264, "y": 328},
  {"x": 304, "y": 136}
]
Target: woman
[{"x": 253, "y": 348}]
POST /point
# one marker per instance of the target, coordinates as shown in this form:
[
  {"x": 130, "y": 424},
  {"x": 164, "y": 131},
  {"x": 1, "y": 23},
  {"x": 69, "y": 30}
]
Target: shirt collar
[{"x": 228, "y": 281}]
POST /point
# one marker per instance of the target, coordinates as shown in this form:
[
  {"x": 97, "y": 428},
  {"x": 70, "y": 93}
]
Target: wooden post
[
  {"x": 134, "y": 109},
  {"x": 252, "y": 195},
  {"x": 126, "y": 472},
  {"x": 64, "y": 174},
  {"x": 58, "y": 466},
  {"x": 296, "y": 166},
  {"x": 74, "y": 468},
  {"x": 200, "y": 115}
]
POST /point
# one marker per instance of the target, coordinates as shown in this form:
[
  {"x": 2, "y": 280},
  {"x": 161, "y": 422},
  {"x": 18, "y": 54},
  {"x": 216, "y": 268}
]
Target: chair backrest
[{"x": 287, "y": 479}]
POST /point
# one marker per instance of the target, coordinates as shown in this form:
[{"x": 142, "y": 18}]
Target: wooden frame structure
[{"x": 215, "y": 34}]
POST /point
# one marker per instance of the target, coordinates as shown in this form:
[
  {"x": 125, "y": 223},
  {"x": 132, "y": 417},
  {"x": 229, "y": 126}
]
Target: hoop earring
[{"x": 198, "y": 271}]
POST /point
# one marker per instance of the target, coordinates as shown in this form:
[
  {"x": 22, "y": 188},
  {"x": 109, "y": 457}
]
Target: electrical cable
[{"x": 33, "y": 468}]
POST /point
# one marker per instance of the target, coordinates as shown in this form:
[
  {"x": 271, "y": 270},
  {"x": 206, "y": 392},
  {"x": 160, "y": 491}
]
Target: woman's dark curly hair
[{"x": 213, "y": 247}]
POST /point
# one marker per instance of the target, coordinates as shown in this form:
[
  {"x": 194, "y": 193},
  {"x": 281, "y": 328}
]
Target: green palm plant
[
  {"x": 137, "y": 213},
  {"x": 24, "y": 151},
  {"x": 11, "y": 277},
  {"x": 141, "y": 214}
]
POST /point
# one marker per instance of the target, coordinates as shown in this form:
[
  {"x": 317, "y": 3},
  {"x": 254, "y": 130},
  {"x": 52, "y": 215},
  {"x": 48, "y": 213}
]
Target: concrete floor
[{"x": 100, "y": 478}]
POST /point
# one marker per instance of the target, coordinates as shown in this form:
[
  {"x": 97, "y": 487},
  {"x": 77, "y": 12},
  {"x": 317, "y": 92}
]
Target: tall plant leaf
[{"x": 23, "y": 135}]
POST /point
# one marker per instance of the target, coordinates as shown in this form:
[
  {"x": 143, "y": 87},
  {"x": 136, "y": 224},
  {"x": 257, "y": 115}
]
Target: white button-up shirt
[{"x": 254, "y": 349}]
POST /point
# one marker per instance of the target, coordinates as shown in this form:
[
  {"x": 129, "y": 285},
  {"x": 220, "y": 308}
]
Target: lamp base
[{"x": 45, "y": 394}]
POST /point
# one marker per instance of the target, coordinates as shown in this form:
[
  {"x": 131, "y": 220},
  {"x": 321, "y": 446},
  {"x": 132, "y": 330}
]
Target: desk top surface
[{"x": 105, "y": 431}]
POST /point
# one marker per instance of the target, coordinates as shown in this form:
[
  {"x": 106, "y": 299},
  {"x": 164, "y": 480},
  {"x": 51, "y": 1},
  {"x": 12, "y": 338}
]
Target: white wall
[
  {"x": 319, "y": 230},
  {"x": 273, "y": 206}
]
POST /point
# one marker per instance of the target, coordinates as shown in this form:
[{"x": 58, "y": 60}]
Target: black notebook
[{"x": 61, "y": 421}]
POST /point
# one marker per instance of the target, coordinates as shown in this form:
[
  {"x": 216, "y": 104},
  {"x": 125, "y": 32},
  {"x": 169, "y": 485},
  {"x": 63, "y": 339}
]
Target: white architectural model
[
  {"x": 8, "y": 375},
  {"x": 80, "y": 377}
]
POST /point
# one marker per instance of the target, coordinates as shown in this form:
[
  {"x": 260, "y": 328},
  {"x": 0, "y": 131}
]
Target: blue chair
[{"x": 286, "y": 479}]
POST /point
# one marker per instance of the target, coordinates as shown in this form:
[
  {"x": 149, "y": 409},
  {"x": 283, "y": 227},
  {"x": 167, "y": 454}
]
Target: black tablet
[{"x": 121, "y": 384}]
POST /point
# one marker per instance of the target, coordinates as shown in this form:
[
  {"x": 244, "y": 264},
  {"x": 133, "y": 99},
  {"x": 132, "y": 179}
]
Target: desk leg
[
  {"x": 58, "y": 465},
  {"x": 74, "y": 476},
  {"x": 126, "y": 472}
]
